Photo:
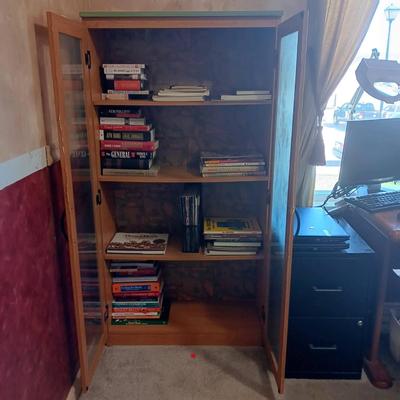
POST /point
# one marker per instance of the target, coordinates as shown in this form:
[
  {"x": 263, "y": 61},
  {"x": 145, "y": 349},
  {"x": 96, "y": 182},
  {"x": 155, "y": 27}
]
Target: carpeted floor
[{"x": 210, "y": 373}]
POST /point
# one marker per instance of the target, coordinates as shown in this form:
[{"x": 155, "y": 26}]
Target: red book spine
[
  {"x": 136, "y": 287},
  {"x": 128, "y": 84},
  {"x": 135, "y": 128},
  {"x": 128, "y": 145}
]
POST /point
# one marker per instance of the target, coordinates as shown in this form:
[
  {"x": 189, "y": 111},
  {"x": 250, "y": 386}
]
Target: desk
[{"x": 382, "y": 232}]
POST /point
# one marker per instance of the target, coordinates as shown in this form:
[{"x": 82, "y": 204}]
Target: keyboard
[{"x": 376, "y": 201}]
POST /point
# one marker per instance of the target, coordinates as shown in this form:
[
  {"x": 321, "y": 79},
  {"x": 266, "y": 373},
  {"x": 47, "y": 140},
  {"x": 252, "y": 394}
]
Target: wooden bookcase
[{"x": 218, "y": 300}]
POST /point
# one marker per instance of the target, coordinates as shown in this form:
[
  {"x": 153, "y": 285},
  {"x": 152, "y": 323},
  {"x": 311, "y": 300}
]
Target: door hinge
[
  {"x": 262, "y": 312},
  {"x": 268, "y": 198},
  {"x": 98, "y": 197},
  {"x": 106, "y": 313},
  {"x": 88, "y": 59}
]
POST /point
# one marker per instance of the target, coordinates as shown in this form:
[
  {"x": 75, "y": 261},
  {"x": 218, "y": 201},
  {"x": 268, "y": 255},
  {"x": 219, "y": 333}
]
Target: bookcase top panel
[
  {"x": 183, "y": 14},
  {"x": 180, "y": 19}
]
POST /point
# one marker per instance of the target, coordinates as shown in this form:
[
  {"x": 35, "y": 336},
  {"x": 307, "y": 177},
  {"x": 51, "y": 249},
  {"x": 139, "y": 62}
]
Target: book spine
[
  {"x": 132, "y": 271},
  {"x": 132, "y": 292},
  {"x": 137, "y": 296},
  {"x": 122, "y": 77},
  {"x": 234, "y": 169},
  {"x": 118, "y": 121},
  {"x": 136, "y": 309},
  {"x": 126, "y": 164},
  {"x": 232, "y": 164},
  {"x": 133, "y": 92},
  {"x": 128, "y": 304},
  {"x": 121, "y": 112},
  {"x": 126, "y": 154},
  {"x": 130, "y": 136},
  {"x": 127, "y": 145},
  {"x": 128, "y": 85},
  {"x": 126, "y": 128},
  {"x": 251, "y": 173},
  {"x": 135, "y": 287},
  {"x": 140, "y": 66},
  {"x": 136, "y": 316},
  {"x": 122, "y": 70}
]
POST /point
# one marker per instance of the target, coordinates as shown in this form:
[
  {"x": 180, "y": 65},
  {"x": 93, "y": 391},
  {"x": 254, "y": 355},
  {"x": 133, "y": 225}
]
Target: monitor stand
[{"x": 375, "y": 188}]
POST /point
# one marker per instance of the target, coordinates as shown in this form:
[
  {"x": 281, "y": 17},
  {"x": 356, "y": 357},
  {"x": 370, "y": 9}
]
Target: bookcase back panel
[
  {"x": 223, "y": 59},
  {"x": 234, "y": 200},
  {"x": 147, "y": 208},
  {"x": 154, "y": 207},
  {"x": 211, "y": 281},
  {"x": 184, "y": 132}
]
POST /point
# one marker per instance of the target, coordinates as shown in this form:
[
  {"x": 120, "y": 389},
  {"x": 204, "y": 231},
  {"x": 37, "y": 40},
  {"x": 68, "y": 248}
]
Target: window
[{"x": 338, "y": 109}]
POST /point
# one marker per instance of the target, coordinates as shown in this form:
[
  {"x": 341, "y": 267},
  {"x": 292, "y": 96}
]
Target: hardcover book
[
  {"x": 120, "y": 112},
  {"x": 123, "y": 163},
  {"x": 126, "y": 128},
  {"x": 138, "y": 243},
  {"x": 128, "y": 145},
  {"x": 128, "y": 154},
  {"x": 122, "y": 121},
  {"x": 153, "y": 171},
  {"x": 233, "y": 226},
  {"x": 117, "y": 135}
]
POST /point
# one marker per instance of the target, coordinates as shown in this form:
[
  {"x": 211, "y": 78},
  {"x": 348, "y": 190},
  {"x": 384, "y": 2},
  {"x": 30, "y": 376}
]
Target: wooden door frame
[
  {"x": 299, "y": 23},
  {"x": 60, "y": 25}
]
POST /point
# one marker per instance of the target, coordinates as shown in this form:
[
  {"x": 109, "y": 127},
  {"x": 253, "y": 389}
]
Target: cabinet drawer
[
  {"x": 323, "y": 348},
  {"x": 329, "y": 287}
]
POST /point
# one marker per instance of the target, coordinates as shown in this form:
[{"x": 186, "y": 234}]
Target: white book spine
[
  {"x": 122, "y": 70},
  {"x": 124, "y": 65}
]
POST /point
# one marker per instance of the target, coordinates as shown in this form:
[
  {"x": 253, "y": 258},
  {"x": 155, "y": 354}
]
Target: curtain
[{"x": 336, "y": 30}]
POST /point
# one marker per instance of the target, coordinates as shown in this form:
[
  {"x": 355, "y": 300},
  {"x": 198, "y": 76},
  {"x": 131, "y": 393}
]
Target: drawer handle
[
  {"x": 331, "y": 348},
  {"x": 317, "y": 289}
]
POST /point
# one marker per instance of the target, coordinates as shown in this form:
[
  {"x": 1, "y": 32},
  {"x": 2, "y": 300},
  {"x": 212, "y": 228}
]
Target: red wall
[{"x": 38, "y": 357}]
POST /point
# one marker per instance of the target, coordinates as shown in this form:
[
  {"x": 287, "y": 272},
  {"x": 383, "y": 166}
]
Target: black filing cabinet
[{"x": 329, "y": 311}]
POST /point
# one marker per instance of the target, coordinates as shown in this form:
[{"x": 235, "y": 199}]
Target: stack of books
[
  {"x": 216, "y": 164},
  {"x": 247, "y": 95},
  {"x": 189, "y": 209},
  {"x": 138, "y": 243},
  {"x": 232, "y": 236},
  {"x": 138, "y": 296},
  {"x": 182, "y": 93},
  {"x": 127, "y": 142},
  {"x": 125, "y": 81}
]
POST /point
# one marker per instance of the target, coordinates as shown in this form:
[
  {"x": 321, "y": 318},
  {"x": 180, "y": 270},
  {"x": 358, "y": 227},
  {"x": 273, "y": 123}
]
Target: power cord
[{"x": 338, "y": 191}]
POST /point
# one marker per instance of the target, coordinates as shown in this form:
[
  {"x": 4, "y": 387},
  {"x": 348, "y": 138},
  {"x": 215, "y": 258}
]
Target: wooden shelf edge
[
  {"x": 180, "y": 178},
  {"x": 150, "y": 103},
  {"x": 179, "y": 256}
]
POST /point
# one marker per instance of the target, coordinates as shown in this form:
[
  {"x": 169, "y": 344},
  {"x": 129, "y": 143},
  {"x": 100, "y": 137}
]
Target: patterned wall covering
[{"x": 38, "y": 361}]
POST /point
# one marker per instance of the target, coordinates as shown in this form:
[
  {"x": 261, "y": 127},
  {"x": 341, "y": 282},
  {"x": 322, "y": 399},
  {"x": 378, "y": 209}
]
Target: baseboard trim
[{"x": 75, "y": 390}]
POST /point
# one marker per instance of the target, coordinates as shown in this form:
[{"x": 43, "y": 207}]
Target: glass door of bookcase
[
  {"x": 288, "y": 107},
  {"x": 70, "y": 77}
]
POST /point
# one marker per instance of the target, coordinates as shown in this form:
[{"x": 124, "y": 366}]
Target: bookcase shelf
[
  {"x": 150, "y": 103},
  {"x": 174, "y": 253},
  {"x": 180, "y": 175},
  {"x": 191, "y": 323}
]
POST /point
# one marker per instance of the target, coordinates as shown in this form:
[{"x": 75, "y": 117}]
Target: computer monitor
[{"x": 371, "y": 152}]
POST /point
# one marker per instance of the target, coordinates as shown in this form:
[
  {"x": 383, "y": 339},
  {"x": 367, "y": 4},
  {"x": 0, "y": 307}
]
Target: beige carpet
[{"x": 209, "y": 373}]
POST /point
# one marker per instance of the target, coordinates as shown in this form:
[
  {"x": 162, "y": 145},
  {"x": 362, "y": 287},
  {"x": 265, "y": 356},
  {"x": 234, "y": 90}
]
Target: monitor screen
[{"x": 371, "y": 152}]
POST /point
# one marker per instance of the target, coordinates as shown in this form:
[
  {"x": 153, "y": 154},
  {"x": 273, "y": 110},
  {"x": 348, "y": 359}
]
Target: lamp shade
[{"x": 391, "y": 12}]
